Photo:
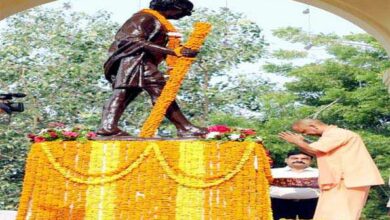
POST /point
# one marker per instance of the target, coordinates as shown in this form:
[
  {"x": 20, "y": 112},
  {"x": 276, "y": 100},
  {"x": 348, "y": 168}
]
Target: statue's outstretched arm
[{"x": 154, "y": 48}]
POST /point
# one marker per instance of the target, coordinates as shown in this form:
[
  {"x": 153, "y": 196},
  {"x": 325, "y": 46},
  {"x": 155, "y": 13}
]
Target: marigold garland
[
  {"x": 184, "y": 180},
  {"x": 168, "y": 95},
  {"x": 173, "y": 38},
  {"x": 151, "y": 186},
  {"x": 192, "y": 182},
  {"x": 94, "y": 180}
]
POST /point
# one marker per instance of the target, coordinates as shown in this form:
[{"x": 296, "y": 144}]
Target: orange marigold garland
[
  {"x": 52, "y": 191},
  {"x": 173, "y": 36},
  {"x": 28, "y": 182},
  {"x": 168, "y": 95}
]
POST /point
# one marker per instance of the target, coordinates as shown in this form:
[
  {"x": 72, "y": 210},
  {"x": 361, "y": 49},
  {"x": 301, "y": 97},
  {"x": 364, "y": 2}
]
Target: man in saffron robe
[
  {"x": 140, "y": 46},
  {"x": 346, "y": 169}
]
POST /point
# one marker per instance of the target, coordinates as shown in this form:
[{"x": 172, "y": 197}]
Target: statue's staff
[{"x": 177, "y": 74}]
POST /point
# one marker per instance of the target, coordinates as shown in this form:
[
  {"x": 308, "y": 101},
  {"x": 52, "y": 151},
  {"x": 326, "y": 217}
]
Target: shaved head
[
  {"x": 307, "y": 122},
  {"x": 309, "y": 126}
]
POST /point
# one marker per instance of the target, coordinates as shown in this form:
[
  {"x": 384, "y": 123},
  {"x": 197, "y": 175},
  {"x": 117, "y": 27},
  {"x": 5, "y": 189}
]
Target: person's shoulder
[
  {"x": 334, "y": 128},
  {"x": 312, "y": 169},
  {"x": 276, "y": 169},
  {"x": 279, "y": 172},
  {"x": 145, "y": 15},
  {"x": 142, "y": 18},
  {"x": 340, "y": 131},
  {"x": 348, "y": 132},
  {"x": 279, "y": 169}
]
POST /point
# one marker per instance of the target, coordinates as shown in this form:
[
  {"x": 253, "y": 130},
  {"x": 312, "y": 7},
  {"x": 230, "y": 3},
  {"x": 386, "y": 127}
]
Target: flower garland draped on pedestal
[{"x": 146, "y": 180}]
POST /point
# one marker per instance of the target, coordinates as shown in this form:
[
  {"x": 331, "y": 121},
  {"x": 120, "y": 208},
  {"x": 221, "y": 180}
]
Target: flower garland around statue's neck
[{"x": 173, "y": 36}]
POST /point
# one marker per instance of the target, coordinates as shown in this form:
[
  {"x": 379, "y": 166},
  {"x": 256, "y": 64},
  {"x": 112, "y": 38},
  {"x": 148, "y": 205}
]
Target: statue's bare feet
[
  {"x": 113, "y": 132},
  {"x": 192, "y": 131}
]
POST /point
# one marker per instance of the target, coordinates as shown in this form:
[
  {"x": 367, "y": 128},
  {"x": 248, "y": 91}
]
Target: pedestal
[{"x": 146, "y": 180}]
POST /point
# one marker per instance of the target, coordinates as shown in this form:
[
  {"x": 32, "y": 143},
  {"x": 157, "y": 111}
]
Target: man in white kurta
[{"x": 294, "y": 191}]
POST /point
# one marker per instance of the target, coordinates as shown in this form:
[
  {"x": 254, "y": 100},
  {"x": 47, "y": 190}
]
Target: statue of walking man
[{"x": 140, "y": 46}]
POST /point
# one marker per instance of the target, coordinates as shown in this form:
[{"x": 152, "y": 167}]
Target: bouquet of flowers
[
  {"x": 225, "y": 133},
  {"x": 59, "y": 132}
]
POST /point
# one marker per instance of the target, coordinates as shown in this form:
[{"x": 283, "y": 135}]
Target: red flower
[
  {"x": 70, "y": 134},
  {"x": 31, "y": 137},
  {"x": 91, "y": 135},
  {"x": 219, "y": 128},
  {"x": 248, "y": 132},
  {"x": 53, "y": 134},
  {"x": 38, "y": 139}
]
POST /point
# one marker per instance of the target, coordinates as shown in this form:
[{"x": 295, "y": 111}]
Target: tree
[
  {"x": 234, "y": 40},
  {"x": 55, "y": 57}
]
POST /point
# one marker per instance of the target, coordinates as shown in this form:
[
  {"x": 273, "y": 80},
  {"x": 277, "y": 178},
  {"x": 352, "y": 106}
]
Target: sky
[{"x": 269, "y": 14}]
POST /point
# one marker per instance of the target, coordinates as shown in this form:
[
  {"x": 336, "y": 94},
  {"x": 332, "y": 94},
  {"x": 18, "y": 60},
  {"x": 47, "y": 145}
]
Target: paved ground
[{"x": 7, "y": 215}]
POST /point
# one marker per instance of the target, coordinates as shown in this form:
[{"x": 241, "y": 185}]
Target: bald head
[
  {"x": 308, "y": 121},
  {"x": 309, "y": 126}
]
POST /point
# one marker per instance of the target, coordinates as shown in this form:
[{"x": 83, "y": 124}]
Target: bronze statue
[{"x": 140, "y": 46}]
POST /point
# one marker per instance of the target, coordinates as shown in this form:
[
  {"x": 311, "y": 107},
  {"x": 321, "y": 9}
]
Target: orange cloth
[
  {"x": 344, "y": 156},
  {"x": 341, "y": 203},
  {"x": 346, "y": 173}
]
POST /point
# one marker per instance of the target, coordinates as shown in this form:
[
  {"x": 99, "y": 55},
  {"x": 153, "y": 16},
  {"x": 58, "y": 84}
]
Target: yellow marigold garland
[
  {"x": 28, "y": 183},
  {"x": 265, "y": 178},
  {"x": 173, "y": 37},
  {"x": 56, "y": 191},
  {"x": 201, "y": 183},
  {"x": 188, "y": 181},
  {"x": 94, "y": 180},
  {"x": 168, "y": 95}
]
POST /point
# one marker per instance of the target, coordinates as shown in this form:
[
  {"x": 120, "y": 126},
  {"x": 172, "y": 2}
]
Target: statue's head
[{"x": 173, "y": 9}]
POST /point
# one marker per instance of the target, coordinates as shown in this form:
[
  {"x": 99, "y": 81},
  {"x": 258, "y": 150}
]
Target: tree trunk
[{"x": 206, "y": 100}]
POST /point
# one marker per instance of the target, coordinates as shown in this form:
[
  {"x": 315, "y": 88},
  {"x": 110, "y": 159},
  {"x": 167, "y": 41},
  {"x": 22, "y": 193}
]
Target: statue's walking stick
[{"x": 177, "y": 75}]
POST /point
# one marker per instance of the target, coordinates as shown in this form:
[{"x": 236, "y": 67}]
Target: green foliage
[
  {"x": 297, "y": 35},
  {"x": 234, "y": 40},
  {"x": 52, "y": 57},
  {"x": 289, "y": 54},
  {"x": 56, "y": 58},
  {"x": 278, "y": 68}
]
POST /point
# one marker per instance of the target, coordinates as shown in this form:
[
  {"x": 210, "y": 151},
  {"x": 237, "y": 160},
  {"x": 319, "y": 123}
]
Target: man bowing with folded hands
[{"x": 346, "y": 168}]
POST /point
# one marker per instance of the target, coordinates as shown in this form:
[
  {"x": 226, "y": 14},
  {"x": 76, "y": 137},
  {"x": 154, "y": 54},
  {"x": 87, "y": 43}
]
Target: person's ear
[
  {"x": 314, "y": 126},
  {"x": 285, "y": 160}
]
